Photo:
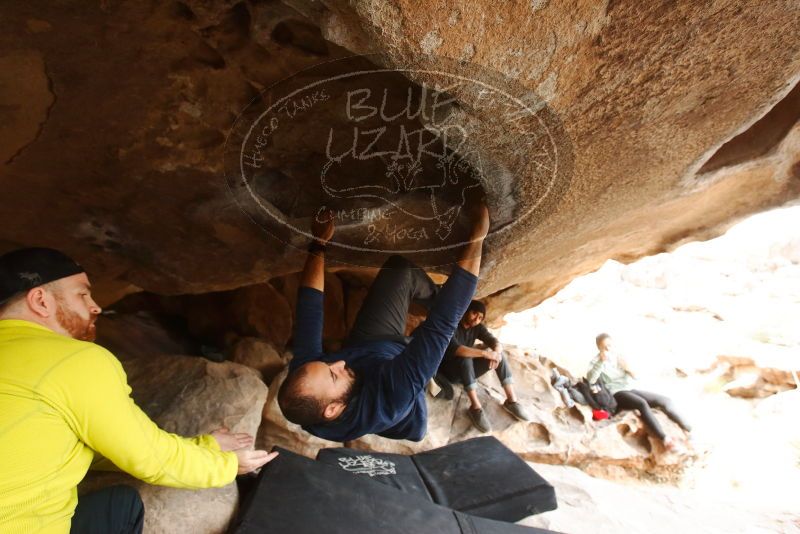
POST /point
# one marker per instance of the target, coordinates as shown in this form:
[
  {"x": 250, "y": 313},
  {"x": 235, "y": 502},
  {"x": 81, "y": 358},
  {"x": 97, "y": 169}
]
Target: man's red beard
[{"x": 75, "y": 325}]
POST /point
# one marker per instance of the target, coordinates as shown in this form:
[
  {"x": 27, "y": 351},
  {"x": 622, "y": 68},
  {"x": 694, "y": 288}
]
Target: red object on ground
[{"x": 599, "y": 415}]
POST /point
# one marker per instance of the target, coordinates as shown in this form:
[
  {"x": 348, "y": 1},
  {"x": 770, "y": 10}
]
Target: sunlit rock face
[{"x": 643, "y": 126}]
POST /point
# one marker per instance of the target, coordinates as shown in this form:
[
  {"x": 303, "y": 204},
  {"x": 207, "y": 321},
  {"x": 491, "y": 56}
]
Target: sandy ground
[
  {"x": 736, "y": 295},
  {"x": 589, "y": 505}
]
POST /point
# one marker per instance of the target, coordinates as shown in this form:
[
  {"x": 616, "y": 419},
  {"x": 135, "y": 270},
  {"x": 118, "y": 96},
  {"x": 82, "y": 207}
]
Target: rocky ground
[
  {"x": 616, "y": 448},
  {"x": 714, "y": 325},
  {"x": 589, "y": 504},
  {"x": 710, "y": 325},
  {"x": 191, "y": 395}
]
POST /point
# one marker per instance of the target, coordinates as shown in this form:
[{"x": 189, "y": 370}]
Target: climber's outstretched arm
[
  {"x": 409, "y": 371},
  {"x": 308, "y": 322},
  {"x": 471, "y": 255}
]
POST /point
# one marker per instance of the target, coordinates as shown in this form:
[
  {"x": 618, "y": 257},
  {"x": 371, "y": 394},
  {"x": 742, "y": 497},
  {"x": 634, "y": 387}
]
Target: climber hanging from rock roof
[{"x": 376, "y": 383}]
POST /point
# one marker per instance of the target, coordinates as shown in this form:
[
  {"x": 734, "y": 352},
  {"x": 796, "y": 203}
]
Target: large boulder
[
  {"x": 260, "y": 310},
  {"x": 673, "y": 119},
  {"x": 188, "y": 396},
  {"x": 260, "y": 355}
]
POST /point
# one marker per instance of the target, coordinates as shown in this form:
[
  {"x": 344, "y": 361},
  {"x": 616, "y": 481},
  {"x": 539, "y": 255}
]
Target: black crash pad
[
  {"x": 480, "y": 476},
  {"x": 296, "y": 495}
]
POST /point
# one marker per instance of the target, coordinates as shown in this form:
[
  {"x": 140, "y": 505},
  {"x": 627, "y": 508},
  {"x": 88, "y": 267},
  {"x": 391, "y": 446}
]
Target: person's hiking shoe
[
  {"x": 446, "y": 391},
  {"x": 516, "y": 409},
  {"x": 479, "y": 420}
]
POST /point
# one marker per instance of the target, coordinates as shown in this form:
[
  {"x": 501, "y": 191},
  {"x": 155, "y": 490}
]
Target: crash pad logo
[
  {"x": 394, "y": 156},
  {"x": 367, "y": 465}
]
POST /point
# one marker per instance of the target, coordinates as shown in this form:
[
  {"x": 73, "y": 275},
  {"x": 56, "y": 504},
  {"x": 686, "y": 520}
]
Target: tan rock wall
[{"x": 118, "y": 113}]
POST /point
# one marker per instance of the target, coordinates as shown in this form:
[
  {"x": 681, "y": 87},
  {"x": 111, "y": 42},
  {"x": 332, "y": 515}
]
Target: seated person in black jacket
[{"x": 464, "y": 363}]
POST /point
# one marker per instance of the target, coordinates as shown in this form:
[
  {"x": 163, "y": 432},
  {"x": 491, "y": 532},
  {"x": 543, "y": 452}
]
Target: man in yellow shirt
[{"x": 65, "y": 405}]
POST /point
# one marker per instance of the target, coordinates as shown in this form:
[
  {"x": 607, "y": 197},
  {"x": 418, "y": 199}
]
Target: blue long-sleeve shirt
[{"x": 391, "y": 399}]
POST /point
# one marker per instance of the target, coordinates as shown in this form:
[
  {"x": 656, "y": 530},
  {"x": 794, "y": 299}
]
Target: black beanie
[
  {"x": 477, "y": 306},
  {"x": 26, "y": 268}
]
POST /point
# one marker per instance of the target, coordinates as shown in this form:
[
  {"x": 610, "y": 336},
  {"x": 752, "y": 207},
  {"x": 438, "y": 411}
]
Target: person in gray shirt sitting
[
  {"x": 464, "y": 363},
  {"x": 616, "y": 376}
]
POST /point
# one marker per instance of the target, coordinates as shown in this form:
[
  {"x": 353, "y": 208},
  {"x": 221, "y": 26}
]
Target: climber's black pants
[
  {"x": 383, "y": 314},
  {"x": 636, "y": 399},
  {"x": 112, "y": 510}
]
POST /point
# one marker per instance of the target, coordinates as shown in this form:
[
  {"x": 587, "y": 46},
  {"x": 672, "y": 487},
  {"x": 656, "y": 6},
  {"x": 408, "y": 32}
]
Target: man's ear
[
  {"x": 39, "y": 302},
  {"x": 333, "y": 410}
]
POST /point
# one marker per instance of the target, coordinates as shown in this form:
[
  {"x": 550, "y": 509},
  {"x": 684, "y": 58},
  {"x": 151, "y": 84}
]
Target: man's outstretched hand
[
  {"x": 231, "y": 442},
  {"x": 322, "y": 226},
  {"x": 251, "y": 460},
  {"x": 237, "y": 443}
]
